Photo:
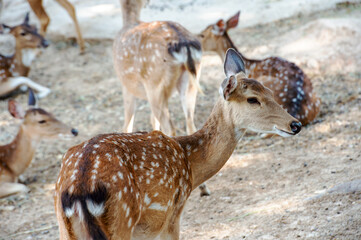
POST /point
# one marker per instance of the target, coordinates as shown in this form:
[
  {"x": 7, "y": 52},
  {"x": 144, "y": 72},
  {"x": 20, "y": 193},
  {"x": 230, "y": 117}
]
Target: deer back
[
  {"x": 137, "y": 174},
  {"x": 150, "y": 52}
]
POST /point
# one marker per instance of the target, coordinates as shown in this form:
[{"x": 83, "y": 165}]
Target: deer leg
[
  {"x": 188, "y": 94},
  {"x": 13, "y": 83},
  {"x": 63, "y": 232},
  {"x": 38, "y": 9},
  {"x": 71, "y": 11},
  {"x": 155, "y": 122},
  {"x": 129, "y": 110},
  {"x": 7, "y": 189},
  {"x": 172, "y": 233},
  {"x": 159, "y": 106}
]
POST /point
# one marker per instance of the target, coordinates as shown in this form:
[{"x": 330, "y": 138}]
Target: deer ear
[
  {"x": 233, "y": 21},
  {"x": 5, "y": 28},
  {"x": 33, "y": 101},
  {"x": 227, "y": 87},
  {"x": 15, "y": 109},
  {"x": 234, "y": 63},
  {"x": 219, "y": 28},
  {"x": 26, "y": 20}
]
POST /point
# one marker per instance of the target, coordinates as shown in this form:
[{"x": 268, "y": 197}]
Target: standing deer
[
  {"x": 38, "y": 8},
  {"x": 16, "y": 156},
  {"x": 135, "y": 186},
  {"x": 15, "y": 69},
  {"x": 152, "y": 60},
  {"x": 291, "y": 87}
]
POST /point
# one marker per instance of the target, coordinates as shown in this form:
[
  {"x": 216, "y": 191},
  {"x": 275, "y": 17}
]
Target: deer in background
[
  {"x": 135, "y": 186},
  {"x": 291, "y": 86},
  {"x": 15, "y": 69},
  {"x": 153, "y": 60},
  {"x": 16, "y": 156},
  {"x": 38, "y": 8}
]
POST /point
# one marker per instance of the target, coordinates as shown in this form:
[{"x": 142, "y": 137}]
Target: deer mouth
[
  {"x": 66, "y": 136},
  {"x": 283, "y": 133}
]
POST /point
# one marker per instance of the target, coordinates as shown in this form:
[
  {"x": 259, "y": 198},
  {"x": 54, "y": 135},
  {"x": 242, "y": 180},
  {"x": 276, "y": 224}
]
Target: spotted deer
[
  {"x": 15, "y": 69},
  {"x": 135, "y": 185},
  {"x": 38, "y": 8},
  {"x": 291, "y": 87},
  {"x": 16, "y": 156},
  {"x": 152, "y": 60}
]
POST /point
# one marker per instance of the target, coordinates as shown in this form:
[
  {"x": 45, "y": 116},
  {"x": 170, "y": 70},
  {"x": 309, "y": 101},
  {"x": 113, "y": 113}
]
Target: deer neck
[
  {"x": 209, "y": 148},
  {"x": 21, "y": 61},
  {"x": 131, "y": 13},
  {"x": 227, "y": 41},
  {"x": 20, "y": 152}
]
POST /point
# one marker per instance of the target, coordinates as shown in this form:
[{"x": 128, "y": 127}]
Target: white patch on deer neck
[{"x": 28, "y": 55}]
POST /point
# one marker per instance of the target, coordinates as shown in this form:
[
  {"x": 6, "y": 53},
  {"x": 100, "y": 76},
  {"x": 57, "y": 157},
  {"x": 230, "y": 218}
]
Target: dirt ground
[{"x": 270, "y": 188}]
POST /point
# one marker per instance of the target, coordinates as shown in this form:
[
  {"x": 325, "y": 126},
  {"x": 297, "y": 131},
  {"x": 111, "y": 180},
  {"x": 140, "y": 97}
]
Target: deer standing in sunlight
[
  {"x": 38, "y": 8},
  {"x": 291, "y": 87},
  {"x": 15, "y": 69},
  {"x": 152, "y": 60},
  {"x": 135, "y": 186},
  {"x": 16, "y": 156}
]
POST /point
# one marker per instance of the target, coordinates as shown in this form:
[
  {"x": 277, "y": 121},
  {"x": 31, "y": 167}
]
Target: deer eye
[
  {"x": 23, "y": 33},
  {"x": 253, "y": 101},
  {"x": 42, "y": 121}
]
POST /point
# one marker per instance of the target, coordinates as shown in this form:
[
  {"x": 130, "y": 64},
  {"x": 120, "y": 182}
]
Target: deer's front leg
[
  {"x": 7, "y": 189},
  {"x": 13, "y": 83}
]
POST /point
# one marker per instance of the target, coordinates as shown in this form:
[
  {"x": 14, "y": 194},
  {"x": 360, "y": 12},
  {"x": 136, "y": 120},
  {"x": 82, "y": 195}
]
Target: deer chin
[
  {"x": 282, "y": 133},
  {"x": 65, "y": 136}
]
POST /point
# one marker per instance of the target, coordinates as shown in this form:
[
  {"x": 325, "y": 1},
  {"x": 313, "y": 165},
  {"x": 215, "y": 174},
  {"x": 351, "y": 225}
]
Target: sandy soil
[{"x": 270, "y": 188}]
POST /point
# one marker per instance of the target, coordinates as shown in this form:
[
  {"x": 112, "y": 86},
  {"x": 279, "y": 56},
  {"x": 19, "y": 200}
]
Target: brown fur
[
  {"x": 154, "y": 174},
  {"x": 291, "y": 87},
  {"x": 38, "y": 8},
  {"x": 26, "y": 37},
  {"x": 152, "y": 60},
  {"x": 16, "y": 156}
]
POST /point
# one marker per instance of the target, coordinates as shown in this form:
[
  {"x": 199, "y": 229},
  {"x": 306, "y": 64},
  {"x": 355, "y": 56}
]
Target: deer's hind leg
[
  {"x": 158, "y": 100},
  {"x": 71, "y": 11},
  {"x": 129, "y": 110}
]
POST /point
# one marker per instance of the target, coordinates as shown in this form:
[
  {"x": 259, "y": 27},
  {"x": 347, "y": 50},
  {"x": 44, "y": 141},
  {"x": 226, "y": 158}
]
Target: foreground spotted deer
[
  {"x": 16, "y": 156},
  {"x": 291, "y": 87},
  {"x": 38, "y": 8},
  {"x": 152, "y": 60},
  {"x": 15, "y": 69},
  {"x": 134, "y": 186}
]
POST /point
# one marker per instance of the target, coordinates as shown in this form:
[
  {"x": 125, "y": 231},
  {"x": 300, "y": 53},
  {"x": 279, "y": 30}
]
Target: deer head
[
  {"x": 38, "y": 123},
  {"x": 215, "y": 37},
  {"x": 26, "y": 35},
  {"x": 250, "y": 104}
]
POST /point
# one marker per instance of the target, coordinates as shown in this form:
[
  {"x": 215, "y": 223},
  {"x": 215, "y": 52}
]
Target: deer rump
[
  {"x": 85, "y": 208},
  {"x": 187, "y": 50}
]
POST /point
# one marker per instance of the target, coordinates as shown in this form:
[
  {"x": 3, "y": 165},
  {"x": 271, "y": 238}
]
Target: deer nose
[
  {"x": 74, "y": 132},
  {"x": 296, "y": 127}
]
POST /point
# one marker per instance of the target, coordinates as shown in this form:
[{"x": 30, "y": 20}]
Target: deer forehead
[
  {"x": 37, "y": 113},
  {"x": 250, "y": 86}
]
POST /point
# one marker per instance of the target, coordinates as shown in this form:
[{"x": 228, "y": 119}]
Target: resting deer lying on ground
[
  {"x": 38, "y": 8},
  {"x": 134, "y": 186},
  {"x": 291, "y": 87},
  {"x": 16, "y": 156},
  {"x": 152, "y": 60},
  {"x": 15, "y": 69}
]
